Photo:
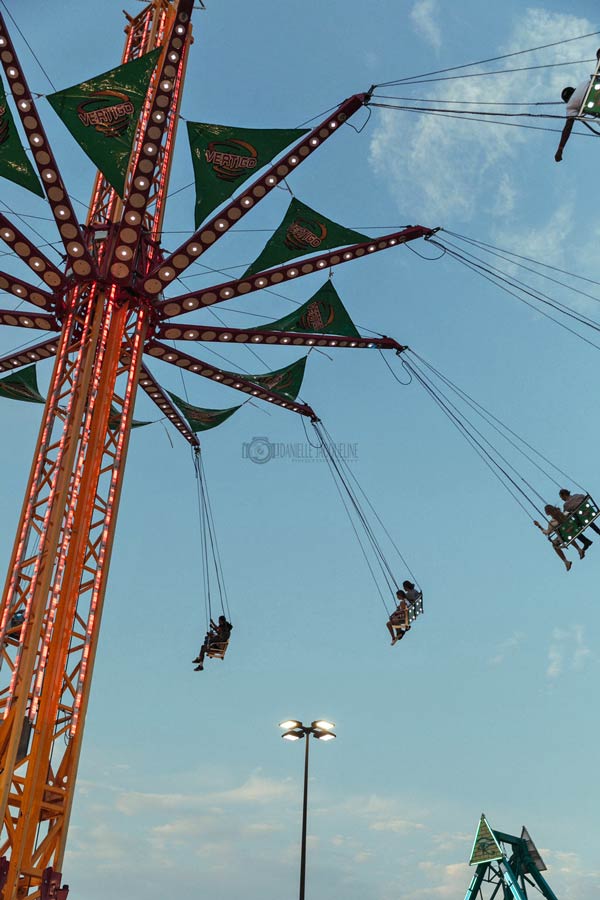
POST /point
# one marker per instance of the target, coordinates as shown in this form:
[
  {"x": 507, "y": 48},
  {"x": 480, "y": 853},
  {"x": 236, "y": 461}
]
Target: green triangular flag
[
  {"x": 114, "y": 420},
  {"x": 324, "y": 313},
  {"x": 485, "y": 847},
  {"x": 102, "y": 114},
  {"x": 303, "y": 231},
  {"x": 21, "y": 385},
  {"x": 224, "y": 157},
  {"x": 286, "y": 381},
  {"x": 14, "y": 164},
  {"x": 199, "y": 418}
]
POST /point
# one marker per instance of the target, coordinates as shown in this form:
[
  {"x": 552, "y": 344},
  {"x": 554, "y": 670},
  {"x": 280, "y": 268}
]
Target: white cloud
[
  {"x": 568, "y": 648},
  {"x": 506, "y": 647},
  {"x": 425, "y": 17},
  {"x": 439, "y": 167}
]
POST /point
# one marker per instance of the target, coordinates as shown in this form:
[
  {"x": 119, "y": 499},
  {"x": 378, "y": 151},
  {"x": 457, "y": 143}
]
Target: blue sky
[{"x": 185, "y": 786}]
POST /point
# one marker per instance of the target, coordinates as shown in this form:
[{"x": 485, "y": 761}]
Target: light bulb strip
[
  {"x": 43, "y": 350},
  {"x": 39, "y": 264},
  {"x": 74, "y": 243},
  {"x": 40, "y": 321},
  {"x": 212, "y": 334},
  {"x": 152, "y": 130},
  {"x": 291, "y": 271},
  {"x": 25, "y": 291},
  {"x": 212, "y": 230},
  {"x": 166, "y": 406},
  {"x": 230, "y": 379}
]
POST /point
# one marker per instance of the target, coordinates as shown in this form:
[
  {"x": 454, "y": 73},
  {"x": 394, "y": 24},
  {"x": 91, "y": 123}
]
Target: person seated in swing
[
  {"x": 412, "y": 593},
  {"x": 216, "y": 639},
  {"x": 573, "y": 97},
  {"x": 556, "y": 518},
  {"x": 397, "y": 624},
  {"x": 571, "y": 502}
]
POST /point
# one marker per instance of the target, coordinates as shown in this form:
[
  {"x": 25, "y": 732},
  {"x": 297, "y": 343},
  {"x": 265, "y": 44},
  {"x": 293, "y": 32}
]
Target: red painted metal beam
[
  {"x": 30, "y": 255},
  {"x": 78, "y": 254},
  {"x": 123, "y": 261},
  {"x": 159, "y": 396},
  {"x": 261, "y": 336},
  {"x": 206, "y": 236},
  {"x": 42, "y": 321},
  {"x": 44, "y": 350},
  {"x": 183, "y": 303},
  {"x": 231, "y": 379}
]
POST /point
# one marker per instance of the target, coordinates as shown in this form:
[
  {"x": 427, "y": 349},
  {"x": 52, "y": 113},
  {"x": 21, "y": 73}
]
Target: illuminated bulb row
[
  {"x": 144, "y": 170},
  {"x": 186, "y": 362},
  {"x": 26, "y": 292},
  {"x": 185, "y": 255},
  {"x": 57, "y": 197},
  {"x": 29, "y": 254},
  {"x": 156, "y": 394},
  {"x": 44, "y": 351},
  {"x": 174, "y": 333},
  {"x": 274, "y": 276}
]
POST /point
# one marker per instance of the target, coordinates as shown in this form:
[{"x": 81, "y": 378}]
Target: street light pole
[
  {"x": 295, "y": 731},
  {"x": 304, "y": 816}
]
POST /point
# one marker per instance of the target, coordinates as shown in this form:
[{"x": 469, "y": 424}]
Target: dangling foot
[
  {"x": 197, "y": 660},
  {"x": 569, "y": 564},
  {"x": 394, "y": 641},
  {"x": 199, "y": 668},
  {"x": 581, "y": 553}
]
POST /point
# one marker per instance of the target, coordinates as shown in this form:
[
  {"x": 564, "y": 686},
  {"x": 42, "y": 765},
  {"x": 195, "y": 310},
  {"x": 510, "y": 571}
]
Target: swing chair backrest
[
  {"x": 591, "y": 101},
  {"x": 577, "y": 521},
  {"x": 415, "y": 608}
]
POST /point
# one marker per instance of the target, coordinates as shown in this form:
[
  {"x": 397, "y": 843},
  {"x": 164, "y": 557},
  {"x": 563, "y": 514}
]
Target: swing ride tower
[
  {"x": 106, "y": 308},
  {"x": 59, "y": 565}
]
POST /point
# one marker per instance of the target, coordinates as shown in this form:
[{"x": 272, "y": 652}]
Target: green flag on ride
[
  {"x": 14, "y": 163},
  {"x": 324, "y": 313},
  {"x": 114, "y": 420},
  {"x": 302, "y": 231},
  {"x": 485, "y": 847},
  {"x": 102, "y": 114},
  {"x": 286, "y": 381},
  {"x": 199, "y": 418},
  {"x": 21, "y": 385},
  {"x": 224, "y": 157}
]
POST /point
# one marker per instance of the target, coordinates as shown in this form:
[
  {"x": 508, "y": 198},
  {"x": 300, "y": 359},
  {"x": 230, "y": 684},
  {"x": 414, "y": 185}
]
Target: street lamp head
[
  {"x": 322, "y": 735},
  {"x": 290, "y": 723},
  {"x": 323, "y": 725},
  {"x": 295, "y": 734}
]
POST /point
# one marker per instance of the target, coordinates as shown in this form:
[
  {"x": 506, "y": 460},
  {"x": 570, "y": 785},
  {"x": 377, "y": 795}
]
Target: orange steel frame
[{"x": 59, "y": 565}]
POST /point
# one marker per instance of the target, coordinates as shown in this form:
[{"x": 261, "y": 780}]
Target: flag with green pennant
[
  {"x": 22, "y": 385},
  {"x": 199, "y": 418},
  {"x": 324, "y": 313},
  {"x": 102, "y": 114},
  {"x": 303, "y": 231},
  {"x": 485, "y": 847},
  {"x": 224, "y": 157},
  {"x": 114, "y": 420},
  {"x": 286, "y": 381},
  {"x": 14, "y": 163}
]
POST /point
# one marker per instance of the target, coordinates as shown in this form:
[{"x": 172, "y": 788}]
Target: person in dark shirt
[
  {"x": 571, "y": 502},
  {"x": 219, "y": 634}
]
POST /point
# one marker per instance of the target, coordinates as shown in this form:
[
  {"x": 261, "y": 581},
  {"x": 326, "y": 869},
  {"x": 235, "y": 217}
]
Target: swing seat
[
  {"x": 578, "y": 521},
  {"x": 217, "y": 649}
]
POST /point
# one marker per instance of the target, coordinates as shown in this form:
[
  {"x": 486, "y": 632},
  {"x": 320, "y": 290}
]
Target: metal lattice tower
[{"x": 106, "y": 309}]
